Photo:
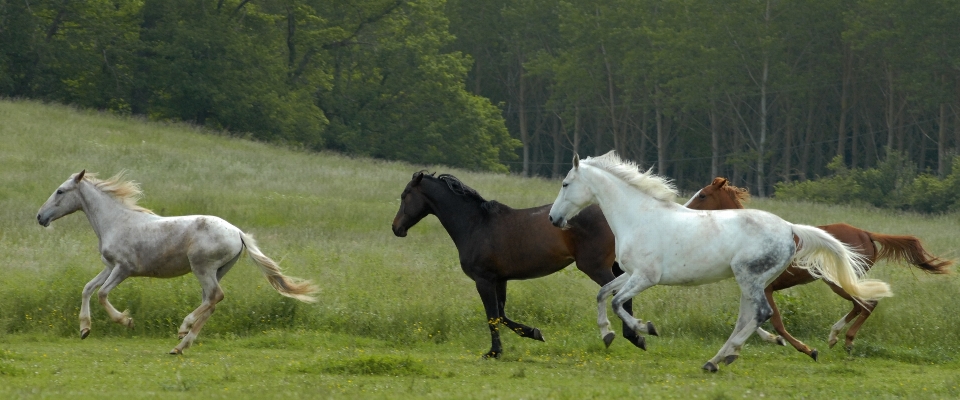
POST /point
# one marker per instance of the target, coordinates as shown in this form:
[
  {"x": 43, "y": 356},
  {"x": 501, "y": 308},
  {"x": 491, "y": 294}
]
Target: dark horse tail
[{"x": 908, "y": 249}]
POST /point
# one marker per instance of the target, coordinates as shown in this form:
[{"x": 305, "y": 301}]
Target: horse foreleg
[
  {"x": 518, "y": 328},
  {"x": 603, "y": 276},
  {"x": 605, "y": 332},
  {"x": 88, "y": 290},
  {"x": 212, "y": 294},
  {"x": 117, "y": 275},
  {"x": 777, "y": 322},
  {"x": 630, "y": 289},
  {"x": 488, "y": 294}
]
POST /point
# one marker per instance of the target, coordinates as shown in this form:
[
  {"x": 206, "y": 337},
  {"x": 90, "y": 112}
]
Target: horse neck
[
  {"x": 102, "y": 210},
  {"x": 459, "y": 215},
  {"x": 620, "y": 199},
  {"x": 729, "y": 200}
]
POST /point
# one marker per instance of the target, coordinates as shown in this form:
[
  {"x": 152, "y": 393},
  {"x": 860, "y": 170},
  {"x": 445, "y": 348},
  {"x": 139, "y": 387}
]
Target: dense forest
[{"x": 760, "y": 91}]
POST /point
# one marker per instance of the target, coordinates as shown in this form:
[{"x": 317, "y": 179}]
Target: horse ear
[
  {"x": 417, "y": 177},
  {"x": 719, "y": 182},
  {"x": 79, "y": 176},
  {"x": 576, "y": 160}
]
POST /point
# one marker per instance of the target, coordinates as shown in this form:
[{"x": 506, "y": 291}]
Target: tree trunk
[
  {"x": 556, "y": 147},
  {"x": 714, "y": 141},
  {"x": 661, "y": 136},
  {"x": 761, "y": 187},
  {"x": 844, "y": 103},
  {"x": 942, "y": 162},
  {"x": 576, "y": 130},
  {"x": 521, "y": 107}
]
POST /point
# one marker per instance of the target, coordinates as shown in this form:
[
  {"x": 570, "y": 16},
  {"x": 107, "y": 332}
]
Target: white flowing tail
[
  {"x": 296, "y": 288},
  {"x": 826, "y": 257}
]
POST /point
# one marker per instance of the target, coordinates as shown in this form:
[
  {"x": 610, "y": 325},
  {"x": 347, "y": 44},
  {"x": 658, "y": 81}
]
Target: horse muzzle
[
  {"x": 558, "y": 222},
  {"x": 399, "y": 231},
  {"x": 45, "y": 222}
]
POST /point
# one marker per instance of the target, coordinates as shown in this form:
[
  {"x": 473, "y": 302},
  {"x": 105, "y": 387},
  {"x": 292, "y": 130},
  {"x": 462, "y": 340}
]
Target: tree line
[{"x": 760, "y": 91}]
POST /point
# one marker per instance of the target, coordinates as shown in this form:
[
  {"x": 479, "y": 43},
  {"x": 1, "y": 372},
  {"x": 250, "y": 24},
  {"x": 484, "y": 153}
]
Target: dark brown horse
[
  {"x": 720, "y": 195},
  {"x": 498, "y": 243}
]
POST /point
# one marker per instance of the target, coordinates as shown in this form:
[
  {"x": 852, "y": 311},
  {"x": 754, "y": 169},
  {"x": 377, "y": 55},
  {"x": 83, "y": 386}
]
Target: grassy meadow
[{"x": 396, "y": 317}]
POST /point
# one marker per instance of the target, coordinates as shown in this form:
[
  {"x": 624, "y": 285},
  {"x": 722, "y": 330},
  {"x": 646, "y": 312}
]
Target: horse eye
[
  {"x": 59, "y": 191},
  {"x": 702, "y": 196},
  {"x": 566, "y": 184}
]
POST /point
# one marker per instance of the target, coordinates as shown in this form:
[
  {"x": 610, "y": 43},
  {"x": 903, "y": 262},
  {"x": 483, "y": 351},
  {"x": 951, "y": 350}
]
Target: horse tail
[
  {"x": 826, "y": 257},
  {"x": 296, "y": 288},
  {"x": 908, "y": 249}
]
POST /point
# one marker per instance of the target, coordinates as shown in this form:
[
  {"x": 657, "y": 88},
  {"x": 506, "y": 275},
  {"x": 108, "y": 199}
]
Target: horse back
[{"x": 171, "y": 246}]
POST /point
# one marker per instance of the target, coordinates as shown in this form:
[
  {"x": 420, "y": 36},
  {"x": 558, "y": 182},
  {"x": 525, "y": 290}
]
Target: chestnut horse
[
  {"x": 720, "y": 195},
  {"x": 498, "y": 243}
]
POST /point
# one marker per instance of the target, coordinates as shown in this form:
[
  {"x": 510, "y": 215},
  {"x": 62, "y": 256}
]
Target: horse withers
[
  {"x": 720, "y": 195},
  {"x": 660, "y": 242},
  {"x": 497, "y": 243},
  {"x": 136, "y": 242}
]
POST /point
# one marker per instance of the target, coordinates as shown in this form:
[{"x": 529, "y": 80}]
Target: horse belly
[{"x": 691, "y": 275}]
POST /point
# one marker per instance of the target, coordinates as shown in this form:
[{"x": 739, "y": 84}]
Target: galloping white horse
[
  {"x": 136, "y": 242},
  {"x": 660, "y": 242}
]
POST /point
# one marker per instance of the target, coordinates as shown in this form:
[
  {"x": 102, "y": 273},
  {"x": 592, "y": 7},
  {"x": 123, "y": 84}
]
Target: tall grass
[{"x": 326, "y": 217}]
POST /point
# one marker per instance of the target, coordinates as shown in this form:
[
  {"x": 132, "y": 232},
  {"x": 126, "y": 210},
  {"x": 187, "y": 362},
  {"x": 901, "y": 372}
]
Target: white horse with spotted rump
[
  {"x": 660, "y": 242},
  {"x": 136, "y": 242}
]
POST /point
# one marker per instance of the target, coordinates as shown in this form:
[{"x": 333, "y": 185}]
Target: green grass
[{"x": 396, "y": 317}]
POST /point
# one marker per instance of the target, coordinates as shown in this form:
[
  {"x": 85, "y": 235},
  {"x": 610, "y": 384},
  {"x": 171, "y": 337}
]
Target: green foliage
[
  {"x": 368, "y": 77},
  {"x": 894, "y": 183}
]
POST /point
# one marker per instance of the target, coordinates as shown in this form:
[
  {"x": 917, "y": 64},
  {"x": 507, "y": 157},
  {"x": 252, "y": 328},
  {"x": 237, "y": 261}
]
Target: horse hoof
[
  {"x": 849, "y": 349},
  {"x": 491, "y": 354},
  {"x": 651, "y": 329},
  {"x": 780, "y": 341},
  {"x": 638, "y": 341},
  {"x": 537, "y": 335},
  {"x": 730, "y": 359},
  {"x": 710, "y": 367},
  {"x": 84, "y": 333},
  {"x": 832, "y": 342},
  {"x": 608, "y": 338},
  {"x": 130, "y": 323},
  {"x": 176, "y": 352},
  {"x": 815, "y": 355}
]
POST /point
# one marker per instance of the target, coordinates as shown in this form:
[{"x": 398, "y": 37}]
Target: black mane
[{"x": 460, "y": 189}]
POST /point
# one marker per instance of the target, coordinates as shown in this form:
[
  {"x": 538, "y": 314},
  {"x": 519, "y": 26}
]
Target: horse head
[
  {"x": 414, "y": 206},
  {"x": 718, "y": 195},
  {"x": 64, "y": 201},
  {"x": 574, "y": 196}
]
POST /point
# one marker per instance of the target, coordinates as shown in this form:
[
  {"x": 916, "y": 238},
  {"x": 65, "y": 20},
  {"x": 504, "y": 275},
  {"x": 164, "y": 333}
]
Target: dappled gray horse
[{"x": 136, "y": 242}]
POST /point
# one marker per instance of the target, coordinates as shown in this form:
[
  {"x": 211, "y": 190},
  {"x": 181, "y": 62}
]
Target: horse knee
[{"x": 764, "y": 312}]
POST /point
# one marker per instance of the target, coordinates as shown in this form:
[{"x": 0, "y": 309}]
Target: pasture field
[{"x": 397, "y": 318}]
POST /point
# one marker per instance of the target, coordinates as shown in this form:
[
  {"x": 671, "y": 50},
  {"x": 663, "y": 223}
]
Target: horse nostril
[{"x": 548, "y": 216}]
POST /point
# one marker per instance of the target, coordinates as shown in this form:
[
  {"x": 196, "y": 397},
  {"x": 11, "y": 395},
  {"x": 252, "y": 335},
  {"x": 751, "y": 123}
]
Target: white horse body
[
  {"x": 135, "y": 242},
  {"x": 659, "y": 242}
]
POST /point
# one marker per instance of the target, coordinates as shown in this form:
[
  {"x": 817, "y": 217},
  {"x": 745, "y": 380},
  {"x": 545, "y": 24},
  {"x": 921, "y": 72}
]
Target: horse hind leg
[
  {"x": 212, "y": 294},
  {"x": 868, "y": 308},
  {"x": 192, "y": 318},
  {"x": 777, "y": 321},
  {"x": 516, "y": 327},
  {"x": 88, "y": 290},
  {"x": 754, "y": 310}
]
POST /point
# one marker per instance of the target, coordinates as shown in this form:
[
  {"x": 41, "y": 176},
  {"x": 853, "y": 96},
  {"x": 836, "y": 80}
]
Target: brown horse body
[
  {"x": 721, "y": 196},
  {"x": 497, "y": 243}
]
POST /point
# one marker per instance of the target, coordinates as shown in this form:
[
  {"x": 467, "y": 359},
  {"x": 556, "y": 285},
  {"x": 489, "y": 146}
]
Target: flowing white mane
[
  {"x": 127, "y": 192},
  {"x": 652, "y": 184}
]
